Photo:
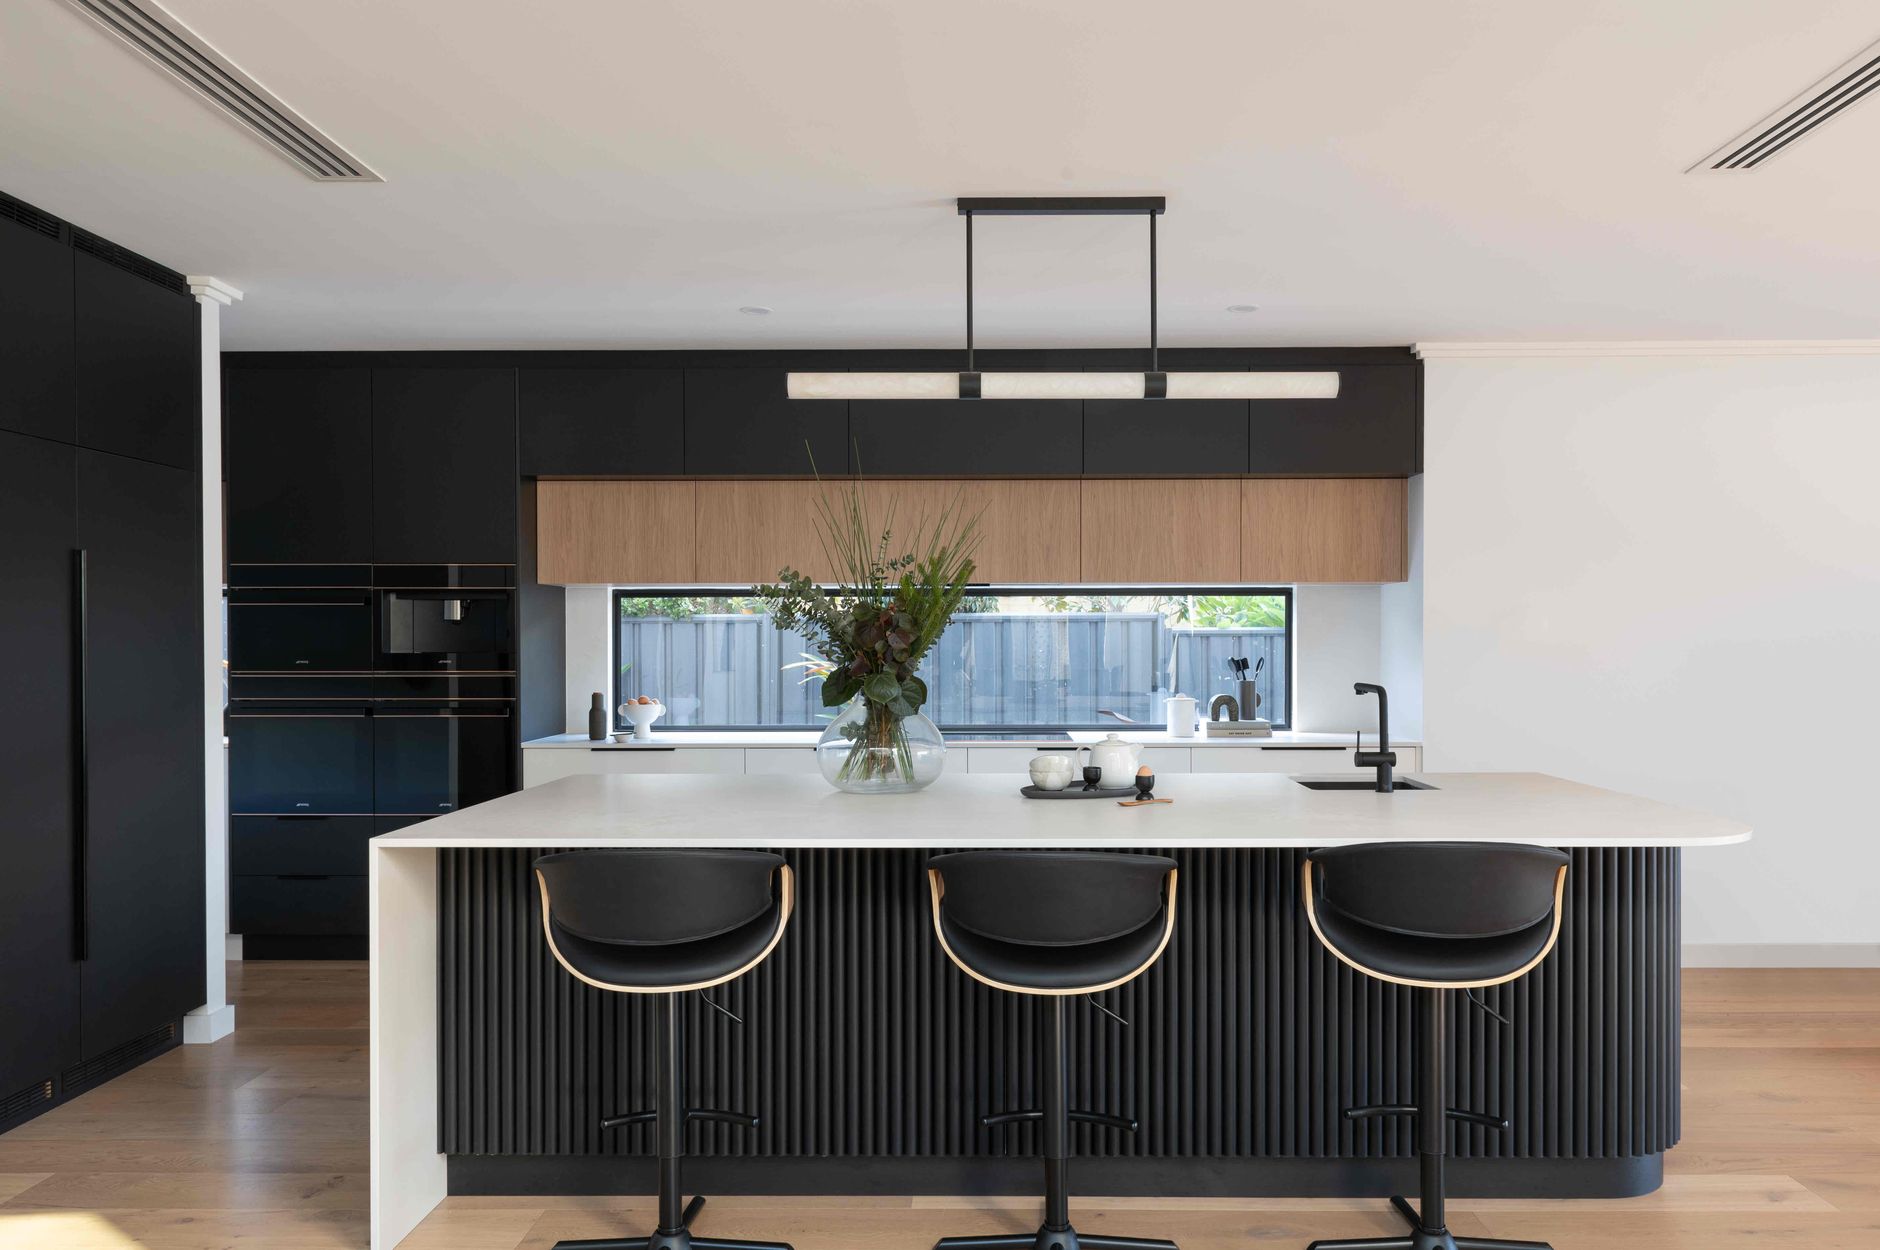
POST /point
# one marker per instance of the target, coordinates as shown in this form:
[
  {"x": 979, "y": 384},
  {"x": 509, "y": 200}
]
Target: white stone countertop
[{"x": 978, "y": 810}]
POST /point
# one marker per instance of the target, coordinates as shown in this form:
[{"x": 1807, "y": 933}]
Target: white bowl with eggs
[{"x": 642, "y": 711}]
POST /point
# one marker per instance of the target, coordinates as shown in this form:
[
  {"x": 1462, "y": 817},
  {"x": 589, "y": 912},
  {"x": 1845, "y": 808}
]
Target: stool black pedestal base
[
  {"x": 1421, "y": 1238},
  {"x": 1056, "y": 1233},
  {"x": 1432, "y": 1114},
  {"x": 1047, "y": 1239},
  {"x": 675, "y": 1226}
]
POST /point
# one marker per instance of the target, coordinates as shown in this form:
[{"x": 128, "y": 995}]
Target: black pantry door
[
  {"x": 139, "y": 365},
  {"x": 143, "y": 904},
  {"x": 38, "y": 968}
]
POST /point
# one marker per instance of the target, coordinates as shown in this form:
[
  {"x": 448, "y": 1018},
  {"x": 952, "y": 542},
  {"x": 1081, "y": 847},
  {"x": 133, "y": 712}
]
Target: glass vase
[{"x": 868, "y": 749}]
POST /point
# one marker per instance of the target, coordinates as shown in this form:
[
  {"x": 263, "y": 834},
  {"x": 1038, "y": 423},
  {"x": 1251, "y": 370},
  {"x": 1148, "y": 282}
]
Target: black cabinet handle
[
  {"x": 81, "y": 763},
  {"x": 302, "y": 876}
]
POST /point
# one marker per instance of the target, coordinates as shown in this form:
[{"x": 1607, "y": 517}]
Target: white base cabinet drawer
[
  {"x": 545, "y": 764},
  {"x": 772, "y": 761}
]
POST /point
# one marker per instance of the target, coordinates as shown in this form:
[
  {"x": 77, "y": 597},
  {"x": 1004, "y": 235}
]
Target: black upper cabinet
[
  {"x": 143, "y": 831},
  {"x": 601, "y": 421},
  {"x": 38, "y": 962},
  {"x": 36, "y": 334},
  {"x": 738, "y": 422},
  {"x": 444, "y": 466},
  {"x": 298, "y": 448},
  {"x": 967, "y": 438},
  {"x": 139, "y": 365},
  {"x": 1165, "y": 438},
  {"x": 1371, "y": 430}
]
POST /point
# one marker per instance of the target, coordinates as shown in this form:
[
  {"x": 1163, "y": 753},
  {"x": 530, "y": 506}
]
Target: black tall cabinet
[{"x": 101, "y": 744}]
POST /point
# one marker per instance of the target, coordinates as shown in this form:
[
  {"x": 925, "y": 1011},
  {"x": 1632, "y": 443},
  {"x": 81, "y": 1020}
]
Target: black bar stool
[
  {"x": 1439, "y": 916},
  {"x": 1053, "y": 924},
  {"x": 665, "y": 923}
]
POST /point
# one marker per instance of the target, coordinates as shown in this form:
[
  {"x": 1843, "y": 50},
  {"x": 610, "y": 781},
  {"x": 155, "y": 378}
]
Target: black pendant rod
[
  {"x": 969, "y": 292},
  {"x": 1155, "y": 365}
]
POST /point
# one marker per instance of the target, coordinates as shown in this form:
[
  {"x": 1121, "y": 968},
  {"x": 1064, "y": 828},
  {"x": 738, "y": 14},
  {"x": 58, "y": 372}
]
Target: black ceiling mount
[
  {"x": 1155, "y": 384},
  {"x": 1062, "y": 205}
]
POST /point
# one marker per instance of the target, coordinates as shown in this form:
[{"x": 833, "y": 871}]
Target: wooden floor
[{"x": 260, "y": 1141}]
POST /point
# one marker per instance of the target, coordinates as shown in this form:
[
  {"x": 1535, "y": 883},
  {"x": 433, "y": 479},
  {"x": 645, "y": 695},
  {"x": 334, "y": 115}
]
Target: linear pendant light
[{"x": 1154, "y": 384}]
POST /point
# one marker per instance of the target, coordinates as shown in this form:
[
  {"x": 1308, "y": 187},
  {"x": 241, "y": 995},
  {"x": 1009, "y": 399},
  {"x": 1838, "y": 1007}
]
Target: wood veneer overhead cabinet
[
  {"x": 1160, "y": 531},
  {"x": 1220, "y": 530},
  {"x": 1323, "y": 530},
  {"x": 1028, "y": 529},
  {"x": 595, "y": 533}
]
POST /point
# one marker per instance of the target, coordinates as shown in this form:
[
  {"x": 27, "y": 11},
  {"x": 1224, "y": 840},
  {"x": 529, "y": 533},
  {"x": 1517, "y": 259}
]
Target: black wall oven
[{"x": 361, "y": 698}]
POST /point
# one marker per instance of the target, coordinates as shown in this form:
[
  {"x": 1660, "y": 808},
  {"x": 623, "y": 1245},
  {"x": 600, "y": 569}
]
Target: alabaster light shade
[{"x": 1063, "y": 385}]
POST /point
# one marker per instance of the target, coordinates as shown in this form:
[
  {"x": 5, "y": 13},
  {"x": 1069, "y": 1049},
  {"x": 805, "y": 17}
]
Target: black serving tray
[{"x": 1076, "y": 791}]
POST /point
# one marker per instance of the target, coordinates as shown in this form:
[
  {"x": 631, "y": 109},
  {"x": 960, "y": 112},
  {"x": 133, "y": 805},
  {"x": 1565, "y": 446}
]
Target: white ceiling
[{"x": 601, "y": 173}]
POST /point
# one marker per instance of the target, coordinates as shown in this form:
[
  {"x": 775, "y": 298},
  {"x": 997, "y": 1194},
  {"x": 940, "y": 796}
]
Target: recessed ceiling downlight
[
  {"x": 755, "y": 310},
  {"x": 147, "y": 28}
]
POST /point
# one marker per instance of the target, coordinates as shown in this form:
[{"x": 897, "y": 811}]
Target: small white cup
[{"x": 1050, "y": 770}]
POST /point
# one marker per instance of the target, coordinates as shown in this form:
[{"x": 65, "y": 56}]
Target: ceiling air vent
[
  {"x": 1801, "y": 116},
  {"x": 177, "y": 50}
]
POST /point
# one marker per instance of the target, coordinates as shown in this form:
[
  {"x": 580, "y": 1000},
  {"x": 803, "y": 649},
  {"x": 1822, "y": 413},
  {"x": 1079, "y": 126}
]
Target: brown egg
[{"x": 1145, "y": 771}]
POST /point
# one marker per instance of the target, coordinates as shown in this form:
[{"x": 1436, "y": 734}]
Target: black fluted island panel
[{"x": 870, "y": 1059}]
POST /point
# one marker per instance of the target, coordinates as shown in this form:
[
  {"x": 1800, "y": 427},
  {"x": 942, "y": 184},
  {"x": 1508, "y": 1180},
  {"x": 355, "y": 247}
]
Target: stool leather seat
[
  {"x": 667, "y": 965},
  {"x": 1053, "y": 967},
  {"x": 1416, "y": 957}
]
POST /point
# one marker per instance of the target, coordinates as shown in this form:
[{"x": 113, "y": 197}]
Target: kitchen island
[{"x": 869, "y": 1059}]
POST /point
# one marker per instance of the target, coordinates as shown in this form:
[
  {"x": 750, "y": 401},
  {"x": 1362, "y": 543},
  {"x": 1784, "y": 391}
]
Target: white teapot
[{"x": 1117, "y": 759}]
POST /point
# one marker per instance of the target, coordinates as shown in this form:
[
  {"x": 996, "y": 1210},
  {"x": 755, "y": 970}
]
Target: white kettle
[{"x": 1117, "y": 759}]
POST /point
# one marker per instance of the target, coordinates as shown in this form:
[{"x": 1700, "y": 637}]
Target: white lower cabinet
[
  {"x": 1291, "y": 759},
  {"x": 543, "y": 764},
  {"x": 770, "y": 761}
]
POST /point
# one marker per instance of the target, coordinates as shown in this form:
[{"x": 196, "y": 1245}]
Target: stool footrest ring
[
  {"x": 1001, "y": 1118},
  {"x": 631, "y": 1117},
  {"x": 743, "y": 1119}
]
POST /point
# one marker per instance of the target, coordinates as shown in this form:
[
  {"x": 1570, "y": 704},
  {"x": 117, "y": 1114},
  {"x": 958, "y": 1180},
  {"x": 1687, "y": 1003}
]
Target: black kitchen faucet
[{"x": 1383, "y": 758}]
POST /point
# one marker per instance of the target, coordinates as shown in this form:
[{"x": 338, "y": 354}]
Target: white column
[{"x": 215, "y": 1018}]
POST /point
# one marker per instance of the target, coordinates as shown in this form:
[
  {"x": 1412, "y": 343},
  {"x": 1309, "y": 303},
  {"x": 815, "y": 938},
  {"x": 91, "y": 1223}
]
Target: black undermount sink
[{"x": 1312, "y": 784}]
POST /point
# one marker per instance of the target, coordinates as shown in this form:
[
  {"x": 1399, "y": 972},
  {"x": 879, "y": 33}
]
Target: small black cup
[
  {"x": 1092, "y": 775},
  {"x": 1145, "y": 785}
]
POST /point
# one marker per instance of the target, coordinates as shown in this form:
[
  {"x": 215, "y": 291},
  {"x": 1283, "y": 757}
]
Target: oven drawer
[
  {"x": 298, "y": 845},
  {"x": 307, "y": 905}
]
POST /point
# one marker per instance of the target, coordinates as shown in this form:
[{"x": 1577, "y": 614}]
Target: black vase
[{"x": 597, "y": 718}]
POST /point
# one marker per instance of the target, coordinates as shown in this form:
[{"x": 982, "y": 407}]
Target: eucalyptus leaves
[{"x": 881, "y": 617}]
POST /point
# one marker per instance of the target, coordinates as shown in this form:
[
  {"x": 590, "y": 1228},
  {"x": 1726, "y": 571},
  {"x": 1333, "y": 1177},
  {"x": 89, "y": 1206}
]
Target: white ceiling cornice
[{"x": 1693, "y": 347}]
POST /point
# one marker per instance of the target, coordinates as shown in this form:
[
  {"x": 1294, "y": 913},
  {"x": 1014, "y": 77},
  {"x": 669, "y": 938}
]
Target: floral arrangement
[{"x": 885, "y": 612}]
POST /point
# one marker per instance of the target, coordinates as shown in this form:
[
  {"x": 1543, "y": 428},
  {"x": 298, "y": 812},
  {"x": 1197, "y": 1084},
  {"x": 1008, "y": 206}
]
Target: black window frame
[{"x": 617, "y": 593}]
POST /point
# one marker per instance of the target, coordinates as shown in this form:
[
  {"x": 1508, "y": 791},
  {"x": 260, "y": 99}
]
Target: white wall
[
  {"x": 1662, "y": 575},
  {"x": 1335, "y": 635},
  {"x": 589, "y": 650}
]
